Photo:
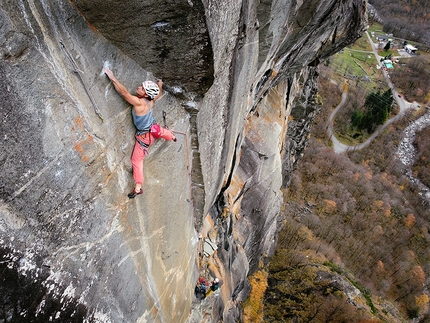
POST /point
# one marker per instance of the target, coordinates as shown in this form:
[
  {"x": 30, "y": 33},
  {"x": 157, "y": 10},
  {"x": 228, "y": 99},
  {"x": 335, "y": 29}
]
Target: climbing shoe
[
  {"x": 133, "y": 194},
  {"x": 175, "y": 139}
]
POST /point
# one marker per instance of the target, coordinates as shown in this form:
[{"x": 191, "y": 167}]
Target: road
[
  {"x": 400, "y": 101},
  {"x": 339, "y": 147}
]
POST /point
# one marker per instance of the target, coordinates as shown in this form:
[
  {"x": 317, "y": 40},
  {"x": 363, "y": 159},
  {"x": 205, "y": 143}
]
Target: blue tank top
[{"x": 143, "y": 123}]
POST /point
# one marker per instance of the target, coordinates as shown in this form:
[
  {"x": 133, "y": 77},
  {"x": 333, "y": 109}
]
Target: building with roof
[
  {"x": 382, "y": 38},
  {"x": 387, "y": 63},
  {"x": 410, "y": 49}
]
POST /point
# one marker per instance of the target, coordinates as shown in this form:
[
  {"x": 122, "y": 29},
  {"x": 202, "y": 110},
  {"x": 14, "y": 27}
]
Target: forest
[
  {"x": 413, "y": 78},
  {"x": 355, "y": 242},
  {"x": 408, "y": 19}
]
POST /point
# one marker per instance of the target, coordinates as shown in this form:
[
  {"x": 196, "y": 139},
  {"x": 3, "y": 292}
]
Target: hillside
[
  {"x": 406, "y": 19},
  {"x": 355, "y": 246}
]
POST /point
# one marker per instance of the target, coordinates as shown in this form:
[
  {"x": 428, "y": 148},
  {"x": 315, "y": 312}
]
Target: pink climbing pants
[{"x": 140, "y": 152}]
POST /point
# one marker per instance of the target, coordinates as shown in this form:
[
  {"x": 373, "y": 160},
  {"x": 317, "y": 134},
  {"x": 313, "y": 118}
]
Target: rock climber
[
  {"x": 215, "y": 284},
  {"x": 203, "y": 287},
  {"x": 147, "y": 128}
]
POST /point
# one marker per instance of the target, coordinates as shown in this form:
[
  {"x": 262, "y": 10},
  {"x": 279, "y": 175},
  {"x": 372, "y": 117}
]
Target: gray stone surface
[
  {"x": 241, "y": 83},
  {"x": 168, "y": 37}
]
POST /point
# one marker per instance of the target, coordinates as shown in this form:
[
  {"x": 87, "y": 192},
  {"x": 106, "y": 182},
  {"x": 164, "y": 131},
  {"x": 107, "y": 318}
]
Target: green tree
[
  {"x": 377, "y": 109},
  {"x": 387, "y": 45},
  {"x": 357, "y": 119}
]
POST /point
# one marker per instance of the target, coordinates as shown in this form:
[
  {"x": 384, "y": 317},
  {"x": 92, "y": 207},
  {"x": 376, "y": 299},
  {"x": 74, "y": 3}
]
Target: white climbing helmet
[{"x": 151, "y": 89}]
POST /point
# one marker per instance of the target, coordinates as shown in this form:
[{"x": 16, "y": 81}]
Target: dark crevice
[
  {"x": 315, "y": 62},
  {"x": 197, "y": 183},
  {"x": 289, "y": 87},
  {"x": 333, "y": 39},
  {"x": 263, "y": 81},
  {"x": 218, "y": 206}
]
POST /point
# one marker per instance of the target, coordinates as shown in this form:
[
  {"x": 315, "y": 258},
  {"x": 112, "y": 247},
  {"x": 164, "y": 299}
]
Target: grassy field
[
  {"x": 361, "y": 44},
  {"x": 376, "y": 27},
  {"x": 356, "y": 65},
  {"x": 384, "y": 52}
]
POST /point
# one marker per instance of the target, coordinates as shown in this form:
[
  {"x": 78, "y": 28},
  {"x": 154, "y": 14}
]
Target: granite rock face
[
  {"x": 168, "y": 37},
  {"x": 241, "y": 83}
]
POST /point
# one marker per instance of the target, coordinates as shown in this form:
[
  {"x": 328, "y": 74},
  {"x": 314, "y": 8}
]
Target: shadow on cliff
[
  {"x": 25, "y": 298},
  {"x": 170, "y": 38}
]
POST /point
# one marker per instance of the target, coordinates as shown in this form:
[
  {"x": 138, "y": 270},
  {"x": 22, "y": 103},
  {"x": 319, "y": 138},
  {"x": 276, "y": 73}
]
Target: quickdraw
[{"x": 164, "y": 120}]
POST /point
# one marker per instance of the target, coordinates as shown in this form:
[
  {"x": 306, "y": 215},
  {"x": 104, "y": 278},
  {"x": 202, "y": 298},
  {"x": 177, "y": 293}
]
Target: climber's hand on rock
[{"x": 108, "y": 72}]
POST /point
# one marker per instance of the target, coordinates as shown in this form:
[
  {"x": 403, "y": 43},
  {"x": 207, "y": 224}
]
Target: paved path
[
  {"x": 403, "y": 106},
  {"x": 337, "y": 145},
  {"x": 406, "y": 151}
]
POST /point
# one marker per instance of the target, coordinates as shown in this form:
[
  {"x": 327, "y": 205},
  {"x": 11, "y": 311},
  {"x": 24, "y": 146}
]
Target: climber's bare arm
[
  {"x": 160, "y": 85},
  {"x": 132, "y": 99}
]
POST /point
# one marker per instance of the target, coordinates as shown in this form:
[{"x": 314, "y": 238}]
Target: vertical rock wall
[
  {"x": 66, "y": 221},
  {"x": 241, "y": 83},
  {"x": 265, "y": 91}
]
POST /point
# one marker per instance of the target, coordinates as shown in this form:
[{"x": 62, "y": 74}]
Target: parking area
[{"x": 404, "y": 54}]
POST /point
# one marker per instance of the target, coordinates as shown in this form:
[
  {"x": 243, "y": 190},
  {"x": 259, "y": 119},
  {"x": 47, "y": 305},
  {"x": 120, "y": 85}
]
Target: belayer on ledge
[
  {"x": 204, "y": 287},
  {"x": 147, "y": 128}
]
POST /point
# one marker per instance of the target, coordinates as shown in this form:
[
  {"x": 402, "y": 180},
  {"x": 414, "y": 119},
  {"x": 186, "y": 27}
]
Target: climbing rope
[
  {"x": 188, "y": 158},
  {"x": 203, "y": 262},
  {"x": 188, "y": 167}
]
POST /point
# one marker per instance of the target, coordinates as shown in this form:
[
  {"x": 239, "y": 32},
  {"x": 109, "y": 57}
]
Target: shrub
[{"x": 253, "y": 306}]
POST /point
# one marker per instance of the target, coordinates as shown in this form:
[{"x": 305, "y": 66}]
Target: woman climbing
[{"x": 147, "y": 128}]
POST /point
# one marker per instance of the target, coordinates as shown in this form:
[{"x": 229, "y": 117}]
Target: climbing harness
[
  {"x": 153, "y": 131},
  {"x": 78, "y": 71},
  {"x": 139, "y": 138}
]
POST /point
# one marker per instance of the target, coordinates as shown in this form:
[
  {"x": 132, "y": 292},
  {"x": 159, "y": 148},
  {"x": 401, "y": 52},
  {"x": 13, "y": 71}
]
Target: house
[
  {"x": 382, "y": 38},
  {"x": 410, "y": 49}
]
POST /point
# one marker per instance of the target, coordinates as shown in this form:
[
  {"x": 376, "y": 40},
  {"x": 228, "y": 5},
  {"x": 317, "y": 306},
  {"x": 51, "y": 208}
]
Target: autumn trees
[
  {"x": 422, "y": 161},
  {"x": 413, "y": 78},
  {"x": 359, "y": 212},
  {"x": 405, "y": 18},
  {"x": 303, "y": 289}
]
